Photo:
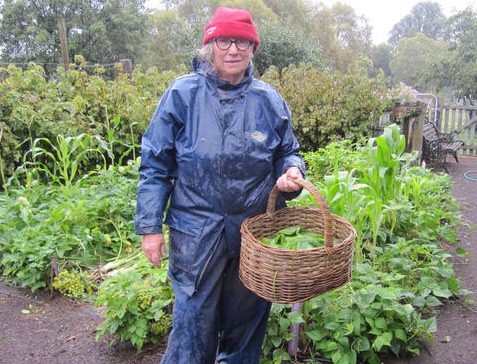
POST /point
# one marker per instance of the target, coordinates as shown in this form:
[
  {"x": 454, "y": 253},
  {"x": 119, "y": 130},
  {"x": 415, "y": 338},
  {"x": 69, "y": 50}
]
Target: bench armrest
[{"x": 447, "y": 137}]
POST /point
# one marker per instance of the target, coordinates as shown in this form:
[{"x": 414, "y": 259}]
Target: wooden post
[
  {"x": 126, "y": 66},
  {"x": 63, "y": 41},
  {"x": 416, "y": 134},
  {"x": 411, "y": 117}
]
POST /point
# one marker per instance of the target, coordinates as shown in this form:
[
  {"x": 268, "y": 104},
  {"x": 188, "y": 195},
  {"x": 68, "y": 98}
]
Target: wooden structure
[{"x": 461, "y": 120}]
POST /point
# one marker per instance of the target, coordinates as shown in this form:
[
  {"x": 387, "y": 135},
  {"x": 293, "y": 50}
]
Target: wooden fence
[{"x": 462, "y": 119}]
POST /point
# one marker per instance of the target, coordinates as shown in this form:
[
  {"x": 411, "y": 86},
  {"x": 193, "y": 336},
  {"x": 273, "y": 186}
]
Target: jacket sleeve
[
  {"x": 158, "y": 167},
  {"x": 287, "y": 154}
]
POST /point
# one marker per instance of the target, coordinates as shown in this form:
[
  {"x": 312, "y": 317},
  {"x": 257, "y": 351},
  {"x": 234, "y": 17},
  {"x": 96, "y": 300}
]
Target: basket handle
[{"x": 325, "y": 212}]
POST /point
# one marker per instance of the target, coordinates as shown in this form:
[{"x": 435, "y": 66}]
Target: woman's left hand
[{"x": 285, "y": 181}]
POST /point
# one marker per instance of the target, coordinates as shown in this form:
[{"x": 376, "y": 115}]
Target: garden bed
[{"x": 35, "y": 328}]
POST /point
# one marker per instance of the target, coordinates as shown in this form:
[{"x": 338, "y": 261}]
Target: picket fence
[{"x": 463, "y": 120}]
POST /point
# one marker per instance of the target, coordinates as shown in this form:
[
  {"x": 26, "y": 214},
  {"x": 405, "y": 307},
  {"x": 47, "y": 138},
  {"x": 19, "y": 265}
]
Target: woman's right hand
[{"x": 154, "y": 247}]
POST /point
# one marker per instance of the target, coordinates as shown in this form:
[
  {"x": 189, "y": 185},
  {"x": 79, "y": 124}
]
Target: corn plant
[
  {"x": 60, "y": 162},
  {"x": 113, "y": 143},
  {"x": 386, "y": 159}
]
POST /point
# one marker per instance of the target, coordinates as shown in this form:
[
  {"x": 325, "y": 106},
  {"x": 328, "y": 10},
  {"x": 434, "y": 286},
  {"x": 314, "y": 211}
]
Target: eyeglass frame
[{"x": 234, "y": 41}]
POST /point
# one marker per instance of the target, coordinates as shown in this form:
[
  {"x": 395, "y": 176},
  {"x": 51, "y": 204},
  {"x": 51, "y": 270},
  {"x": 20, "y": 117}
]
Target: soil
[{"x": 39, "y": 329}]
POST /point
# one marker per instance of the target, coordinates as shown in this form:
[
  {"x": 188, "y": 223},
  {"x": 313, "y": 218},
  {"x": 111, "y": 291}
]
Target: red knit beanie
[{"x": 231, "y": 23}]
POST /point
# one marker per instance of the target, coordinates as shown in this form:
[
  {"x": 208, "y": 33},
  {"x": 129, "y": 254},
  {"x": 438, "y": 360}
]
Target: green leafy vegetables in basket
[{"x": 294, "y": 238}]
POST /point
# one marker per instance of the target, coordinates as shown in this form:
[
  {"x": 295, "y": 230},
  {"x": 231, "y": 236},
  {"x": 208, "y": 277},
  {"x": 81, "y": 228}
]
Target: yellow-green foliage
[
  {"x": 82, "y": 100},
  {"x": 329, "y": 107},
  {"x": 72, "y": 284},
  {"x": 326, "y": 107}
]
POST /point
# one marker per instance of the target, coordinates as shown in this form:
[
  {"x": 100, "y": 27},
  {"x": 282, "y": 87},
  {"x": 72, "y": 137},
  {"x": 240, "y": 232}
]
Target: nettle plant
[{"x": 401, "y": 273}]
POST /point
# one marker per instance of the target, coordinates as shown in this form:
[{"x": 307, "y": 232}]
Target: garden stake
[{"x": 294, "y": 329}]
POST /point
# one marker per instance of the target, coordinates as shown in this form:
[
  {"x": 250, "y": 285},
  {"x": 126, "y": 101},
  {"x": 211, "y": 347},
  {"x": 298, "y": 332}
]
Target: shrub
[{"x": 330, "y": 107}]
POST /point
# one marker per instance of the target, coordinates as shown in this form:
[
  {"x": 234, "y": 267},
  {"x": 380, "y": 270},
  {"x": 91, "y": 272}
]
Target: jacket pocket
[{"x": 185, "y": 232}]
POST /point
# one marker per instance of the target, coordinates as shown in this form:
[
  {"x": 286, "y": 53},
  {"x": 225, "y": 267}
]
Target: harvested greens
[{"x": 294, "y": 238}]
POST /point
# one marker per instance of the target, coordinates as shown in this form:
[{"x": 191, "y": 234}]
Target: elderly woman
[{"x": 217, "y": 143}]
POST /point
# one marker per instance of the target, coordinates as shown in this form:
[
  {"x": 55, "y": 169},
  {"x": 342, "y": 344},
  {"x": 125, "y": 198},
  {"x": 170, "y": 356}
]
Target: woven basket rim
[{"x": 248, "y": 235}]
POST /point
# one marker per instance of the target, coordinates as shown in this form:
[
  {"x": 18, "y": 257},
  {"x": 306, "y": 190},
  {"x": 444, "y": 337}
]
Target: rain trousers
[{"x": 210, "y": 157}]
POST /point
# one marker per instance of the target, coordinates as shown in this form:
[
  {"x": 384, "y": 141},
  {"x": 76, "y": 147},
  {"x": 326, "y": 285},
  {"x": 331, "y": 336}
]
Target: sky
[{"x": 383, "y": 14}]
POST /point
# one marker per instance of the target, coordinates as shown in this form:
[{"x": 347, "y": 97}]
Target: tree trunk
[{"x": 63, "y": 42}]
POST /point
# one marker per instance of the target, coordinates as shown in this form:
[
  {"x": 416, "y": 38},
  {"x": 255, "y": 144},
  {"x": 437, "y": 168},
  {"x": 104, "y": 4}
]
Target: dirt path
[
  {"x": 36, "y": 329},
  {"x": 60, "y": 331}
]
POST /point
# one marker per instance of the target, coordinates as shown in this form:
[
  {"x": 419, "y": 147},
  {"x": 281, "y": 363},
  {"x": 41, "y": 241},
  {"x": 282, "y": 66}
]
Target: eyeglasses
[{"x": 226, "y": 43}]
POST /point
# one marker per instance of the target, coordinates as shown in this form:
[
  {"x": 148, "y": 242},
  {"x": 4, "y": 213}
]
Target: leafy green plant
[
  {"x": 278, "y": 334},
  {"x": 329, "y": 107},
  {"x": 343, "y": 155},
  {"x": 293, "y": 238},
  {"x": 112, "y": 143},
  {"x": 84, "y": 226},
  {"x": 137, "y": 304},
  {"x": 76, "y": 102}
]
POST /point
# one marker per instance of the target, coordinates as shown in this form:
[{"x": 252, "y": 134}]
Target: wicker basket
[{"x": 294, "y": 276}]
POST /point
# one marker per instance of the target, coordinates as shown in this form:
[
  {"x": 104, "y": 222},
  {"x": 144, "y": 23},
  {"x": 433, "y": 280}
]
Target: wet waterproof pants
[{"x": 221, "y": 322}]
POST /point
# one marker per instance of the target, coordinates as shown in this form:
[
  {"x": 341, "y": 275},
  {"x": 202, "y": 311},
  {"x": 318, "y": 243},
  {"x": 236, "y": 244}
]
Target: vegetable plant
[{"x": 137, "y": 304}]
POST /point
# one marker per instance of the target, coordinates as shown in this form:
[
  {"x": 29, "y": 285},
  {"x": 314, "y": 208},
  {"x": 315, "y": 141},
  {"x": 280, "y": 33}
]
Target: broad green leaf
[
  {"x": 382, "y": 340},
  {"x": 442, "y": 292},
  {"x": 361, "y": 344},
  {"x": 400, "y": 334},
  {"x": 315, "y": 335}
]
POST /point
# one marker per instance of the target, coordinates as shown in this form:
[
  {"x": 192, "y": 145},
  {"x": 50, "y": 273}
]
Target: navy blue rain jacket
[{"x": 215, "y": 150}]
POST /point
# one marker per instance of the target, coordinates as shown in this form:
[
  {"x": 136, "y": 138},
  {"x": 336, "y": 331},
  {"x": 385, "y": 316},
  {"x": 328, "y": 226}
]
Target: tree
[
  {"x": 297, "y": 13},
  {"x": 199, "y": 12},
  {"x": 426, "y": 17},
  {"x": 103, "y": 31},
  {"x": 109, "y": 30},
  {"x": 282, "y": 45},
  {"x": 170, "y": 41},
  {"x": 342, "y": 34},
  {"x": 413, "y": 61},
  {"x": 28, "y": 33},
  {"x": 459, "y": 67},
  {"x": 381, "y": 56}
]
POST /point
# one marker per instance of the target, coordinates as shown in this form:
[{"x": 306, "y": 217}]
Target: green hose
[{"x": 466, "y": 175}]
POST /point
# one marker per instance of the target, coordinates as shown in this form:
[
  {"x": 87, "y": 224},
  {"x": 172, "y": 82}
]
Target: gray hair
[{"x": 206, "y": 53}]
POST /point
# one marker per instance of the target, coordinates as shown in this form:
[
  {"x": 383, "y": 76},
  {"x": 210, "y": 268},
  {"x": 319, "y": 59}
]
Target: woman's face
[{"x": 231, "y": 64}]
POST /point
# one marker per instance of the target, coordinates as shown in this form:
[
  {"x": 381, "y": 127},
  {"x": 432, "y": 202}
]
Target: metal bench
[{"x": 437, "y": 145}]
